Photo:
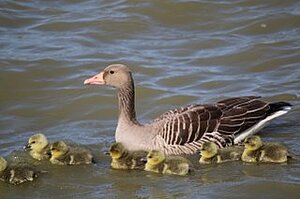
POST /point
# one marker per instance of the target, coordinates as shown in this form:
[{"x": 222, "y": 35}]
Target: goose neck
[{"x": 126, "y": 97}]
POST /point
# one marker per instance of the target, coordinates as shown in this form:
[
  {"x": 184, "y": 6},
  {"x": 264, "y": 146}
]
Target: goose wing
[
  {"x": 185, "y": 129},
  {"x": 188, "y": 124},
  {"x": 240, "y": 114}
]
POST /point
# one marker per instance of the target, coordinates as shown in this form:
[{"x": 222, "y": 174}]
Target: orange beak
[{"x": 97, "y": 79}]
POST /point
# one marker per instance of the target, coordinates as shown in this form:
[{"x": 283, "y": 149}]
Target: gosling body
[
  {"x": 62, "y": 154},
  {"x": 210, "y": 153},
  {"x": 38, "y": 147},
  {"x": 16, "y": 174},
  {"x": 158, "y": 162},
  {"x": 257, "y": 151},
  {"x": 121, "y": 158}
]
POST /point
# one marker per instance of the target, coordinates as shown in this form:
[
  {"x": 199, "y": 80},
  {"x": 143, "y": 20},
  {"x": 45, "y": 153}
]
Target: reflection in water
[{"x": 181, "y": 52}]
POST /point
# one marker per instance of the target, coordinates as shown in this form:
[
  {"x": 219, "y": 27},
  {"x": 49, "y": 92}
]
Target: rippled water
[{"x": 181, "y": 52}]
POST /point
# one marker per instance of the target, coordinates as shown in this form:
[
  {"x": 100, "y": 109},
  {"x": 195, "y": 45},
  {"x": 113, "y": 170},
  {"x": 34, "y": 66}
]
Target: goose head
[
  {"x": 116, "y": 150},
  {"x": 58, "y": 149},
  {"x": 116, "y": 75},
  {"x": 209, "y": 150},
  {"x": 37, "y": 142},
  {"x": 3, "y": 164},
  {"x": 155, "y": 157},
  {"x": 253, "y": 143}
]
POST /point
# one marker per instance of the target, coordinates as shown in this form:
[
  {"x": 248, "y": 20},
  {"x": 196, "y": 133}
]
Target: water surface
[{"x": 181, "y": 52}]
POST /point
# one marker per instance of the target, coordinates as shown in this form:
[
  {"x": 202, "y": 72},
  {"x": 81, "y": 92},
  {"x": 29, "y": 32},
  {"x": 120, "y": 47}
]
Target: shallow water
[{"x": 181, "y": 52}]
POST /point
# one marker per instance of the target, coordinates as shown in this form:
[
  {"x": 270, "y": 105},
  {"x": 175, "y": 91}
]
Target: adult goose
[{"x": 183, "y": 130}]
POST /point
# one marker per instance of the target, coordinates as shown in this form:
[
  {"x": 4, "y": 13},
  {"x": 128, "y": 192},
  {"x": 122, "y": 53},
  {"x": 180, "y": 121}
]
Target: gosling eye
[
  {"x": 150, "y": 156},
  {"x": 111, "y": 72},
  {"x": 33, "y": 142}
]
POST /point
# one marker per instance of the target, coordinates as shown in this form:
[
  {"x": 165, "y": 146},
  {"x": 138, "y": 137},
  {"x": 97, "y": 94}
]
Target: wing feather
[{"x": 186, "y": 128}]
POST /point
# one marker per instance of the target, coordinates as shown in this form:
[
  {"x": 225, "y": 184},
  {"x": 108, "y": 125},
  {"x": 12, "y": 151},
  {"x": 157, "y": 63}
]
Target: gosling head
[
  {"x": 3, "y": 164},
  {"x": 253, "y": 143},
  {"x": 208, "y": 150},
  {"x": 58, "y": 149},
  {"x": 37, "y": 142},
  {"x": 155, "y": 157},
  {"x": 116, "y": 150}
]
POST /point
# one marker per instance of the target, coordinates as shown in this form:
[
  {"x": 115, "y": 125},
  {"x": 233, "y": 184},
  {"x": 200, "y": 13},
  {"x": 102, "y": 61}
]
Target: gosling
[
  {"x": 158, "y": 162},
  {"x": 62, "y": 154},
  {"x": 16, "y": 174},
  {"x": 38, "y": 146},
  {"x": 257, "y": 151},
  {"x": 210, "y": 153},
  {"x": 121, "y": 158}
]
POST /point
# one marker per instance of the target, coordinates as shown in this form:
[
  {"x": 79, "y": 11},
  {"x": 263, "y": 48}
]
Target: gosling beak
[
  {"x": 26, "y": 147},
  {"x": 97, "y": 79},
  {"x": 48, "y": 153}
]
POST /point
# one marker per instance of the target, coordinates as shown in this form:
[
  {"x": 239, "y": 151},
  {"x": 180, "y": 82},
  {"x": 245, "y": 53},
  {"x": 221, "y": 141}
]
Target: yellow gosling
[
  {"x": 62, "y": 154},
  {"x": 210, "y": 153},
  {"x": 257, "y": 151},
  {"x": 38, "y": 146},
  {"x": 158, "y": 162},
  {"x": 121, "y": 158}
]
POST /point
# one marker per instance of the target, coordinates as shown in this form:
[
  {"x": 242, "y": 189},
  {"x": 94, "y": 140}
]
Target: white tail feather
[{"x": 257, "y": 127}]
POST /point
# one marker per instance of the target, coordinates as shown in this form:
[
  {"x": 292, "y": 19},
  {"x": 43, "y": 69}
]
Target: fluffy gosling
[
  {"x": 38, "y": 146},
  {"x": 62, "y": 154},
  {"x": 158, "y": 162},
  {"x": 121, "y": 158},
  {"x": 16, "y": 174},
  {"x": 210, "y": 153},
  {"x": 257, "y": 151}
]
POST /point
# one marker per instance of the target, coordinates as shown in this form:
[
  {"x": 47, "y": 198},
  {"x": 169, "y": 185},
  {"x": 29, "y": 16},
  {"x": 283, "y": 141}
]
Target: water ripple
[{"x": 180, "y": 52}]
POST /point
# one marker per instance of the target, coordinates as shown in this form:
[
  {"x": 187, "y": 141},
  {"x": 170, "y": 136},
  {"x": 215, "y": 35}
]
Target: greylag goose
[
  {"x": 210, "y": 153},
  {"x": 183, "y": 130},
  {"x": 258, "y": 151}
]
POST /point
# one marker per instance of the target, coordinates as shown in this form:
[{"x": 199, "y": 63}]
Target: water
[{"x": 181, "y": 52}]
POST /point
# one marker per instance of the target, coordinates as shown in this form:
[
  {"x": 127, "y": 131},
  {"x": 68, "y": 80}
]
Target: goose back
[{"x": 185, "y": 129}]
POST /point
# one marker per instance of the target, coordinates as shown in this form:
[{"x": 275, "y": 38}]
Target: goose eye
[{"x": 111, "y": 72}]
